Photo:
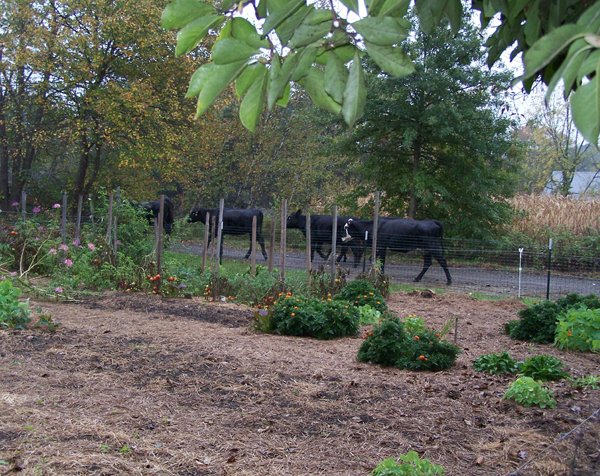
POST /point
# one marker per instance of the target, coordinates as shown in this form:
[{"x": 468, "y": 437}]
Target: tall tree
[{"x": 436, "y": 141}]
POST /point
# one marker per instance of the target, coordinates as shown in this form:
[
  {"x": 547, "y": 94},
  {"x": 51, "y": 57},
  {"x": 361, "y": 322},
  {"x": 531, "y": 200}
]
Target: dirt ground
[{"x": 136, "y": 384}]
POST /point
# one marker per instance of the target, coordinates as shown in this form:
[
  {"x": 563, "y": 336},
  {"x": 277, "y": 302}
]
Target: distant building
[{"x": 583, "y": 184}]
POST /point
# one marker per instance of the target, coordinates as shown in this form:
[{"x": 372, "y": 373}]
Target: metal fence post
[{"x": 549, "y": 268}]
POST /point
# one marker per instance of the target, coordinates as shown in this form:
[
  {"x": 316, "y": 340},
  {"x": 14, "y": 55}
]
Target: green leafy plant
[
  {"x": 368, "y": 315},
  {"x": 390, "y": 344},
  {"x": 526, "y": 391},
  {"x": 360, "y": 292},
  {"x": 495, "y": 364},
  {"x": 380, "y": 281},
  {"x": 14, "y": 314},
  {"x": 45, "y": 321},
  {"x": 298, "y": 316},
  {"x": 321, "y": 284},
  {"x": 587, "y": 382},
  {"x": 543, "y": 367},
  {"x": 414, "y": 324},
  {"x": 263, "y": 321},
  {"x": 411, "y": 465},
  {"x": 579, "y": 329},
  {"x": 538, "y": 322}
]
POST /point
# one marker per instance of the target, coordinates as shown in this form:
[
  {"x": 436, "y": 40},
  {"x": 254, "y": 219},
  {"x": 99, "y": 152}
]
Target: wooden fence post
[
  {"x": 375, "y": 226},
  {"x": 283, "y": 243},
  {"x": 253, "y": 249},
  {"x": 78, "y": 222},
  {"x": 216, "y": 289},
  {"x": 333, "y": 244},
  {"x": 205, "y": 247},
  {"x": 23, "y": 205},
  {"x": 109, "y": 220},
  {"x": 159, "y": 238},
  {"x": 91, "y": 209},
  {"x": 308, "y": 250},
  {"x": 271, "y": 244},
  {"x": 63, "y": 219}
]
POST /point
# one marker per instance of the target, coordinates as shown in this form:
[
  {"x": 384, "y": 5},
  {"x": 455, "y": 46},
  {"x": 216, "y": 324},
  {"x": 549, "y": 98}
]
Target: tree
[
  {"x": 436, "y": 141},
  {"x": 310, "y": 45}
]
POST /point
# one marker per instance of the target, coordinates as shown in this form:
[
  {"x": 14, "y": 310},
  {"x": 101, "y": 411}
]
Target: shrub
[
  {"x": 14, "y": 314},
  {"x": 538, "y": 322},
  {"x": 579, "y": 329},
  {"x": 321, "y": 284},
  {"x": 526, "y": 391},
  {"x": 368, "y": 315},
  {"x": 543, "y": 367},
  {"x": 360, "y": 292},
  {"x": 390, "y": 344},
  {"x": 411, "y": 465},
  {"x": 297, "y": 316},
  {"x": 496, "y": 364},
  {"x": 414, "y": 324},
  {"x": 380, "y": 281},
  {"x": 587, "y": 382}
]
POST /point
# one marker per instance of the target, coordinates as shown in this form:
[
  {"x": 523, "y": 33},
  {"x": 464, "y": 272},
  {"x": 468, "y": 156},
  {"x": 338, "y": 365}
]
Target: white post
[{"x": 520, "y": 269}]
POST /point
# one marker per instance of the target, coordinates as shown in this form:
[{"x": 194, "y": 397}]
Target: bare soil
[{"x": 136, "y": 384}]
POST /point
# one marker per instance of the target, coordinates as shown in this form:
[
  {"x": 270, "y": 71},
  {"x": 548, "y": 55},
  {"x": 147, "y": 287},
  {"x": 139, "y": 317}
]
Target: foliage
[
  {"x": 360, "y": 292},
  {"x": 496, "y": 364},
  {"x": 45, "y": 321},
  {"x": 538, "y": 322},
  {"x": 14, "y": 314},
  {"x": 380, "y": 281},
  {"x": 323, "y": 286},
  {"x": 411, "y": 465},
  {"x": 414, "y": 324},
  {"x": 587, "y": 382},
  {"x": 579, "y": 329},
  {"x": 526, "y": 391},
  {"x": 543, "y": 367},
  {"x": 262, "y": 58},
  {"x": 307, "y": 317},
  {"x": 368, "y": 315},
  {"x": 390, "y": 344}
]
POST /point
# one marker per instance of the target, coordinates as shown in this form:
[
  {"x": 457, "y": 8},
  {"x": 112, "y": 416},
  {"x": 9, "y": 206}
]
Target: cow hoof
[{"x": 448, "y": 283}]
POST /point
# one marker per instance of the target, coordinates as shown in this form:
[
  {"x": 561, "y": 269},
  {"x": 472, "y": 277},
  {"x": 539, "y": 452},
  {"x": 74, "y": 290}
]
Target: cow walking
[
  {"x": 236, "y": 221},
  {"x": 321, "y": 233},
  {"x": 401, "y": 234},
  {"x": 152, "y": 209}
]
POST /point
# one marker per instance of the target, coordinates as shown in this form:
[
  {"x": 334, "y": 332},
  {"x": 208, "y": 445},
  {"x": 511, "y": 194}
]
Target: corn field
[{"x": 540, "y": 213}]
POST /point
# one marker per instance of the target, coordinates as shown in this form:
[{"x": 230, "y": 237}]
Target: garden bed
[{"x": 136, "y": 384}]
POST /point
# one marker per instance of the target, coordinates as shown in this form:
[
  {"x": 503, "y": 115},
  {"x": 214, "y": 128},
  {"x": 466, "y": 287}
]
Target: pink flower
[
  {"x": 15, "y": 204},
  {"x": 52, "y": 251},
  {"x": 91, "y": 246},
  {"x": 68, "y": 262},
  {"x": 37, "y": 209},
  {"x": 58, "y": 290},
  {"x": 76, "y": 242},
  {"x": 63, "y": 247},
  {"x": 56, "y": 205}
]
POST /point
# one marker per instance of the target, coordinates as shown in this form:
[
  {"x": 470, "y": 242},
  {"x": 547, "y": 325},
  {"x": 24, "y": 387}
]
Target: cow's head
[
  {"x": 296, "y": 220},
  {"x": 347, "y": 236},
  {"x": 197, "y": 214}
]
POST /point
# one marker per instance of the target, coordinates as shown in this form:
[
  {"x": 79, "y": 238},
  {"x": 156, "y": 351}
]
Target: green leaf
[
  {"x": 277, "y": 17},
  {"x": 351, "y": 5},
  {"x": 454, "y": 12},
  {"x": 394, "y": 8},
  {"x": 253, "y": 102},
  {"x": 384, "y": 31},
  {"x": 304, "y": 63},
  {"x": 230, "y": 50},
  {"x": 250, "y": 74},
  {"x": 243, "y": 30},
  {"x": 313, "y": 82},
  {"x": 198, "y": 80},
  {"x": 335, "y": 78},
  {"x": 390, "y": 59},
  {"x": 179, "y": 13},
  {"x": 278, "y": 79},
  {"x": 374, "y": 7},
  {"x": 515, "y": 7},
  {"x": 307, "y": 34},
  {"x": 355, "y": 94},
  {"x": 287, "y": 28},
  {"x": 590, "y": 16},
  {"x": 544, "y": 50},
  {"x": 429, "y": 13},
  {"x": 585, "y": 104},
  {"x": 216, "y": 80},
  {"x": 569, "y": 68},
  {"x": 285, "y": 98},
  {"x": 193, "y": 33}
]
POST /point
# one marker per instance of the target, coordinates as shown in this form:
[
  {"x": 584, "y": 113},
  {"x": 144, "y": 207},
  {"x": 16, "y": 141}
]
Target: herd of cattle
[{"x": 393, "y": 234}]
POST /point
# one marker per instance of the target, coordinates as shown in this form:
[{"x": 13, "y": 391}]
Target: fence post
[
  {"x": 253, "y": 249},
  {"x": 109, "y": 220},
  {"x": 308, "y": 250},
  {"x": 375, "y": 226},
  {"x": 271, "y": 244},
  {"x": 220, "y": 234},
  {"x": 63, "y": 218},
  {"x": 78, "y": 222},
  {"x": 159, "y": 241},
  {"x": 520, "y": 270},
  {"x": 333, "y": 244},
  {"x": 91, "y": 209},
  {"x": 283, "y": 240},
  {"x": 205, "y": 247},
  {"x": 23, "y": 205},
  {"x": 549, "y": 268}
]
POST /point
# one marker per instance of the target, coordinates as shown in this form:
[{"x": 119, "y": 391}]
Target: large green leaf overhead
[{"x": 559, "y": 39}]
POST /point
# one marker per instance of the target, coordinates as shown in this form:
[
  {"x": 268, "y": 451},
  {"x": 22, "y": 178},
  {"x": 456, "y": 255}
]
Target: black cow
[
  {"x": 401, "y": 234},
  {"x": 236, "y": 221},
  {"x": 321, "y": 233},
  {"x": 151, "y": 210}
]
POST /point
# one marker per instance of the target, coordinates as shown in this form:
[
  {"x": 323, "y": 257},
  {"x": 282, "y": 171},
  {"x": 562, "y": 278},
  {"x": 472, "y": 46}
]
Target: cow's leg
[
  {"x": 343, "y": 252},
  {"x": 440, "y": 259},
  {"x": 426, "y": 265},
  {"x": 249, "y": 249},
  {"x": 319, "y": 250},
  {"x": 221, "y": 250},
  {"x": 261, "y": 242}
]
